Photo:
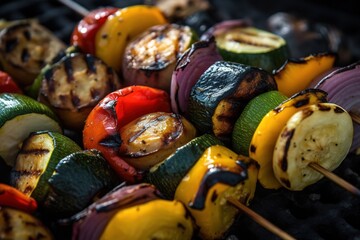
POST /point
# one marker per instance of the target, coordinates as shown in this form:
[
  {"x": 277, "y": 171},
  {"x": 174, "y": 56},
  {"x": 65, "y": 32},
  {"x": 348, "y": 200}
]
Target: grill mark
[
  {"x": 90, "y": 63},
  {"x": 148, "y": 125},
  {"x": 242, "y": 40},
  {"x": 35, "y": 151},
  {"x": 75, "y": 100},
  {"x": 28, "y": 172},
  {"x": 68, "y": 67},
  {"x": 49, "y": 77},
  {"x": 288, "y": 135}
]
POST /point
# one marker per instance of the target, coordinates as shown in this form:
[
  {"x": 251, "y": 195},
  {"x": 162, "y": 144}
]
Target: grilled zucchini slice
[
  {"x": 19, "y": 116},
  {"x": 222, "y": 92},
  {"x": 36, "y": 162}
]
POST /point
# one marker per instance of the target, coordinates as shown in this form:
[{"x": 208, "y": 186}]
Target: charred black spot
[
  {"x": 214, "y": 196},
  {"x": 111, "y": 141},
  {"x": 25, "y": 55},
  {"x": 286, "y": 182},
  {"x": 252, "y": 148},
  {"x": 104, "y": 36},
  {"x": 324, "y": 108},
  {"x": 75, "y": 100},
  {"x": 181, "y": 226},
  {"x": 338, "y": 110},
  {"x": 301, "y": 102},
  {"x": 213, "y": 176},
  {"x": 11, "y": 44}
]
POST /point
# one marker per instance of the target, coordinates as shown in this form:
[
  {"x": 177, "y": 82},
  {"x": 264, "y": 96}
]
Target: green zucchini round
[
  {"x": 36, "y": 162},
  {"x": 20, "y": 115},
  {"x": 254, "y": 47},
  {"x": 167, "y": 175},
  {"x": 222, "y": 92},
  {"x": 251, "y": 117},
  {"x": 77, "y": 181}
]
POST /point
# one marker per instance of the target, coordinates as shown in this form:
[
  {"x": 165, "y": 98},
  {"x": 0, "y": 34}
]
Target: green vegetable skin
[
  {"x": 221, "y": 93},
  {"x": 254, "y": 47},
  {"x": 78, "y": 179},
  {"x": 167, "y": 175},
  {"x": 19, "y": 116}
]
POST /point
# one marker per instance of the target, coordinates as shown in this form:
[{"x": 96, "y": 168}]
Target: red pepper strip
[
  {"x": 7, "y": 84},
  {"x": 118, "y": 108},
  {"x": 12, "y": 197},
  {"x": 85, "y": 31}
]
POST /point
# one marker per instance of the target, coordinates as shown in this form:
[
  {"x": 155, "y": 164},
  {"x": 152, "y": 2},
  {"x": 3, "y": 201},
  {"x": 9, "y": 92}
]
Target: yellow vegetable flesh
[
  {"x": 122, "y": 27},
  {"x": 217, "y": 215},
  {"x": 297, "y": 74},
  {"x": 156, "y": 219},
  {"x": 264, "y": 139}
]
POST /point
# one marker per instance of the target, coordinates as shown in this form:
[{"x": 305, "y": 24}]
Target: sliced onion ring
[
  {"x": 343, "y": 88},
  {"x": 188, "y": 70}
]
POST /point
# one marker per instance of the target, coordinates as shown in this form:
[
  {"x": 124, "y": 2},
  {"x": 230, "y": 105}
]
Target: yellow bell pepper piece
[
  {"x": 156, "y": 219},
  {"x": 297, "y": 74},
  {"x": 120, "y": 28},
  {"x": 264, "y": 139},
  {"x": 217, "y": 215}
]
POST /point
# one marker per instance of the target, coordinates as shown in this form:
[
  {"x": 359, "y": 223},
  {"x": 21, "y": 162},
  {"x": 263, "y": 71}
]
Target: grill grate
[{"x": 322, "y": 211}]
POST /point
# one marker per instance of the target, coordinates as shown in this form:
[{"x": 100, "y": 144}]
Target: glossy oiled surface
[{"x": 321, "y": 211}]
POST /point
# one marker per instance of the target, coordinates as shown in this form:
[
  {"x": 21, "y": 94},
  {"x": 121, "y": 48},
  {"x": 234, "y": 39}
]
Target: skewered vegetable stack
[{"x": 147, "y": 110}]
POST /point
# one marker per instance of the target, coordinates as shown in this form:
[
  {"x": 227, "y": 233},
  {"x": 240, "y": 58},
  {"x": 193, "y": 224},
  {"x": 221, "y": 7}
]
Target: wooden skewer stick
[
  {"x": 75, "y": 7},
  {"x": 336, "y": 179},
  {"x": 355, "y": 117},
  {"x": 260, "y": 220}
]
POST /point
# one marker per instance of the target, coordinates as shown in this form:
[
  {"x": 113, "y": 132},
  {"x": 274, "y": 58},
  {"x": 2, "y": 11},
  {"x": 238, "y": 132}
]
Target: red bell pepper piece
[
  {"x": 85, "y": 31},
  {"x": 101, "y": 130},
  {"x": 7, "y": 84},
  {"x": 12, "y": 197}
]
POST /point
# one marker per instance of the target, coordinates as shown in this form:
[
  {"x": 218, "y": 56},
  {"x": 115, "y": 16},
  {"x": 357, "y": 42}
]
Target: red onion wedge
[
  {"x": 188, "y": 70},
  {"x": 91, "y": 222},
  {"x": 224, "y": 26},
  {"x": 343, "y": 88}
]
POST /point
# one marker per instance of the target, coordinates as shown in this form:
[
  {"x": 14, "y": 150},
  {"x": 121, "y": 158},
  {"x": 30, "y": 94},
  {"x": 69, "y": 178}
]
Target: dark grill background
[{"x": 322, "y": 211}]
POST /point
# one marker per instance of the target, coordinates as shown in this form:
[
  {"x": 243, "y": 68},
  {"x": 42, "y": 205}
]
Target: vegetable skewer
[
  {"x": 75, "y": 7},
  {"x": 260, "y": 220}
]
